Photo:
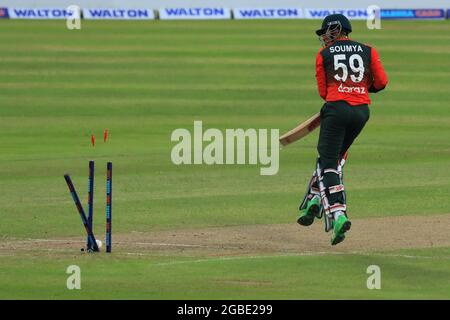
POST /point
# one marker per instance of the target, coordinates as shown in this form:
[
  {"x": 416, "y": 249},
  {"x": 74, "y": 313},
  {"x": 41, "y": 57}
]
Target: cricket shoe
[
  {"x": 340, "y": 227},
  {"x": 311, "y": 211}
]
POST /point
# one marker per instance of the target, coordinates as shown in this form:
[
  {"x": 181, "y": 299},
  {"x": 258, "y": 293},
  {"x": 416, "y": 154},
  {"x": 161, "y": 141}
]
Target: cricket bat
[{"x": 301, "y": 130}]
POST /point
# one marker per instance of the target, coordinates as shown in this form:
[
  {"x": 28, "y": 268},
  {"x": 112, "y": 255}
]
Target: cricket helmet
[
  {"x": 332, "y": 21},
  {"x": 332, "y": 27}
]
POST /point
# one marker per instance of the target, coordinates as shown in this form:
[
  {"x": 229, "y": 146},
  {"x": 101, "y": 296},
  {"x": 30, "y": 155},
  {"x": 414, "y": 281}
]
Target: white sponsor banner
[
  {"x": 118, "y": 14},
  {"x": 201, "y": 13},
  {"x": 268, "y": 13},
  {"x": 42, "y": 13},
  {"x": 355, "y": 14}
]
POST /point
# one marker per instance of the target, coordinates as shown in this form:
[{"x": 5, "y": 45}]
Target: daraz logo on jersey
[{"x": 345, "y": 89}]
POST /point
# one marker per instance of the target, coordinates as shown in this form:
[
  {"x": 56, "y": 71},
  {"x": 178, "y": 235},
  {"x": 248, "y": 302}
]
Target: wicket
[
  {"x": 88, "y": 221},
  {"x": 90, "y": 198},
  {"x": 108, "y": 206},
  {"x": 79, "y": 206}
]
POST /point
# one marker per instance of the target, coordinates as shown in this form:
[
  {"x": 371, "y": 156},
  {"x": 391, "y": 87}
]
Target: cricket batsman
[{"x": 346, "y": 71}]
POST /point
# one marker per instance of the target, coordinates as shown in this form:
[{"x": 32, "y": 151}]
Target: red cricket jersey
[{"x": 348, "y": 70}]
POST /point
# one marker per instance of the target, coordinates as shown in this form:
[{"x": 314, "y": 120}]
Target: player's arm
[
  {"x": 379, "y": 76},
  {"x": 321, "y": 76}
]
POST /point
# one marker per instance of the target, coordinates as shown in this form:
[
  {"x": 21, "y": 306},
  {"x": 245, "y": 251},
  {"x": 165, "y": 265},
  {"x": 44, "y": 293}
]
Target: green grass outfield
[{"x": 142, "y": 80}]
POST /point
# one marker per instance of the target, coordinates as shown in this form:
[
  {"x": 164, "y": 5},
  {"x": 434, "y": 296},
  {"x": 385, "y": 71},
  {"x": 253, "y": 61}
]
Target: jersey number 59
[{"x": 359, "y": 69}]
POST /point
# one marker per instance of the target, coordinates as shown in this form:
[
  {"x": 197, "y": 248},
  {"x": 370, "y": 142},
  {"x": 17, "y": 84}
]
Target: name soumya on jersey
[{"x": 348, "y": 70}]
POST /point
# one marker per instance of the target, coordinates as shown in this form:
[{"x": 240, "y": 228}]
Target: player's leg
[
  {"x": 335, "y": 120},
  {"x": 310, "y": 207},
  {"x": 332, "y": 132},
  {"x": 357, "y": 120},
  {"x": 360, "y": 116}
]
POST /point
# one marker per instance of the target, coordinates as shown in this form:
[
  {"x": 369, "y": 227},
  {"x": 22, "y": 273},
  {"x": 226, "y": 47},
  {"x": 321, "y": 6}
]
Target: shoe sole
[
  {"x": 341, "y": 236},
  {"x": 308, "y": 219}
]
